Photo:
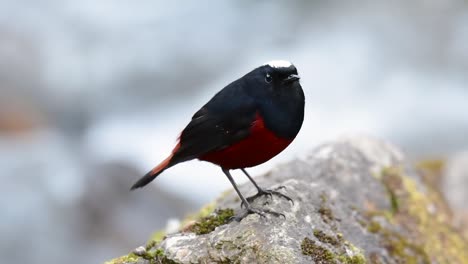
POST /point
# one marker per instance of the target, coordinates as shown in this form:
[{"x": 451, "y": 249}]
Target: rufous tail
[{"x": 151, "y": 175}]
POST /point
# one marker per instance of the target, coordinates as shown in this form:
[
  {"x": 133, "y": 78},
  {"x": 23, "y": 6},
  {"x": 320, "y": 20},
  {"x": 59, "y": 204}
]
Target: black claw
[
  {"x": 274, "y": 213},
  {"x": 269, "y": 193}
]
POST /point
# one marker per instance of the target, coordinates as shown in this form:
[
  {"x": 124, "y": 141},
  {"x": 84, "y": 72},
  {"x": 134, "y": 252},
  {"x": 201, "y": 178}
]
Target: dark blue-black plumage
[{"x": 270, "y": 91}]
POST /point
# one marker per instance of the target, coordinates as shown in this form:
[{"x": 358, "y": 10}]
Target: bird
[{"x": 245, "y": 124}]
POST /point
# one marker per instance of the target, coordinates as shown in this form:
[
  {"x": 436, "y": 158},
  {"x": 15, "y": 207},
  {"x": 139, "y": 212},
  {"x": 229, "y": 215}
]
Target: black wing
[{"x": 226, "y": 119}]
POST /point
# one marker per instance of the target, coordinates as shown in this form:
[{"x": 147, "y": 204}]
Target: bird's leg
[
  {"x": 248, "y": 207},
  {"x": 262, "y": 192}
]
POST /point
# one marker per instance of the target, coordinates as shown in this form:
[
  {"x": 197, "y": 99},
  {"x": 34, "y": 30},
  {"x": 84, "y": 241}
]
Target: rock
[
  {"x": 356, "y": 200},
  {"x": 454, "y": 183}
]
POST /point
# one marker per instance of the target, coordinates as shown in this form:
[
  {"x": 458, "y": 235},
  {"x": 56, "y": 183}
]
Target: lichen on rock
[
  {"x": 130, "y": 258},
  {"x": 319, "y": 254},
  {"x": 419, "y": 230},
  {"x": 209, "y": 223},
  {"x": 356, "y": 200}
]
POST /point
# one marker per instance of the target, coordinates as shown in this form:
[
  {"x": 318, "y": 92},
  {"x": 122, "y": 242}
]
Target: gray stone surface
[
  {"x": 355, "y": 201},
  {"x": 454, "y": 186}
]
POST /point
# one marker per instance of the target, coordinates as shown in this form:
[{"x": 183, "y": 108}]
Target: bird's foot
[
  {"x": 262, "y": 192},
  {"x": 261, "y": 212}
]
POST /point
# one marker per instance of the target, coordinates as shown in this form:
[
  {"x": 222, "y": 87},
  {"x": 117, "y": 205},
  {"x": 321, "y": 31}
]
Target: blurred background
[{"x": 94, "y": 93}]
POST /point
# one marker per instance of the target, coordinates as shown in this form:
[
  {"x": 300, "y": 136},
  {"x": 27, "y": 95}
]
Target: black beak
[{"x": 291, "y": 78}]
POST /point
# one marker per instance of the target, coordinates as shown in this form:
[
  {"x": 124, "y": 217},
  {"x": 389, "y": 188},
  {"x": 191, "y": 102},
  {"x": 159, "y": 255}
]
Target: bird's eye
[{"x": 268, "y": 78}]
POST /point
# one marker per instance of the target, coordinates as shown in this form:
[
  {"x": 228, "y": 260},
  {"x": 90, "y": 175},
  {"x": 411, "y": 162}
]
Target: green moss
[
  {"x": 324, "y": 238},
  {"x": 204, "y": 212},
  {"x": 191, "y": 219},
  {"x": 318, "y": 253},
  {"x": 205, "y": 221},
  {"x": 356, "y": 259},
  {"x": 326, "y": 213},
  {"x": 340, "y": 250},
  {"x": 209, "y": 223},
  {"x": 347, "y": 253},
  {"x": 323, "y": 197},
  {"x": 402, "y": 249},
  {"x": 432, "y": 171},
  {"x": 416, "y": 228},
  {"x": 356, "y": 256},
  {"x": 156, "y": 256},
  {"x": 391, "y": 184},
  {"x": 186, "y": 224},
  {"x": 435, "y": 166},
  {"x": 130, "y": 258},
  {"x": 374, "y": 227},
  {"x": 339, "y": 236},
  {"x": 151, "y": 244},
  {"x": 157, "y": 237},
  {"x": 420, "y": 229},
  {"x": 160, "y": 257},
  {"x": 245, "y": 244}
]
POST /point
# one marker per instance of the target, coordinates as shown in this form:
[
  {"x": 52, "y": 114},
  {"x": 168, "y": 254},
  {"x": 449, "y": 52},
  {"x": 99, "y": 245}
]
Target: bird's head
[{"x": 276, "y": 76}]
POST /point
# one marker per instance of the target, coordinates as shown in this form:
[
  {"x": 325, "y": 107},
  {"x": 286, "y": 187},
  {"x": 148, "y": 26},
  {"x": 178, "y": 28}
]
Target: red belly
[{"x": 260, "y": 146}]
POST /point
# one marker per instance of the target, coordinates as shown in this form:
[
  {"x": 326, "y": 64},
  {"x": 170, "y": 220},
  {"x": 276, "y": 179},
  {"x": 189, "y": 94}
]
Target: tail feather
[{"x": 151, "y": 175}]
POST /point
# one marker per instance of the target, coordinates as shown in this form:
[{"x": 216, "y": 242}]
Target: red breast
[{"x": 260, "y": 146}]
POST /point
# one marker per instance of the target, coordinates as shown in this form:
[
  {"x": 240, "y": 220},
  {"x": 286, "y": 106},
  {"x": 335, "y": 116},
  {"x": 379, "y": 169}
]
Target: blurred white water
[{"x": 105, "y": 87}]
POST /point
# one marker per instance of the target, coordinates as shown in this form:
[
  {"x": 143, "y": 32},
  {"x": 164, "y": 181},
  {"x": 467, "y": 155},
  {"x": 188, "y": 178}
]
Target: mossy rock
[{"x": 356, "y": 201}]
